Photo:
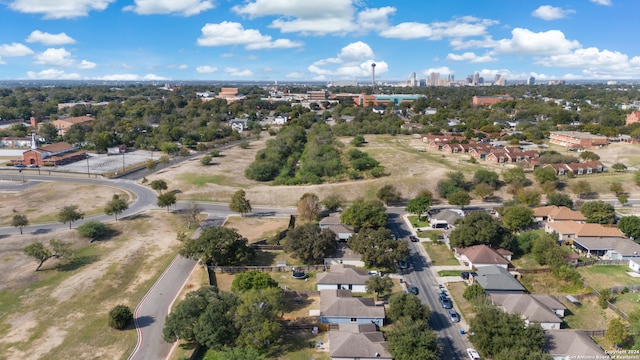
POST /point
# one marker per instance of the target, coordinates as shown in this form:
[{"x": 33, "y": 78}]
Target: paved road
[
  {"x": 421, "y": 275},
  {"x": 150, "y": 314}
]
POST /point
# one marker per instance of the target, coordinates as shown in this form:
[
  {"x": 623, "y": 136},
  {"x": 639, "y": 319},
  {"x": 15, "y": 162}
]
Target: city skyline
[{"x": 294, "y": 40}]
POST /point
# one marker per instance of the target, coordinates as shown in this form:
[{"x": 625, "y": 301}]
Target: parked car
[
  {"x": 464, "y": 275},
  {"x": 473, "y": 354},
  {"x": 413, "y": 238},
  {"x": 446, "y": 302},
  {"x": 413, "y": 289},
  {"x": 20, "y": 166},
  {"x": 403, "y": 264},
  {"x": 454, "y": 316}
]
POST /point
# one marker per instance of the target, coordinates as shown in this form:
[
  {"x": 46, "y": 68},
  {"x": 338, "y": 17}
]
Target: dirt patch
[
  {"x": 256, "y": 229},
  {"x": 52, "y": 337}
]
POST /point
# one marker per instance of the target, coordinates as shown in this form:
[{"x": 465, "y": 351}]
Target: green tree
[
  {"x": 166, "y": 200},
  {"x": 515, "y": 176},
  {"x": 598, "y": 212},
  {"x": 589, "y": 156},
  {"x": 380, "y": 285},
  {"x": 19, "y": 221},
  {"x": 516, "y": 218},
  {"x": 116, "y": 206},
  {"x": 69, "y": 214},
  {"x": 419, "y": 205},
  {"x": 618, "y": 167},
  {"x": 560, "y": 199},
  {"x": 459, "y": 198},
  {"x": 257, "y": 317},
  {"x": 159, "y": 185},
  {"x": 309, "y": 206},
  {"x": 616, "y": 332},
  {"x": 252, "y": 280},
  {"x": 630, "y": 226},
  {"x": 405, "y": 305},
  {"x": 604, "y": 297},
  {"x": 545, "y": 173},
  {"x": 365, "y": 214},
  {"x": 150, "y": 165},
  {"x": 333, "y": 202},
  {"x": 616, "y": 188},
  {"x": 487, "y": 177},
  {"x": 58, "y": 249},
  {"x": 409, "y": 340},
  {"x": 545, "y": 250},
  {"x": 219, "y": 247},
  {"x": 234, "y": 353},
  {"x": 473, "y": 292},
  {"x": 528, "y": 197},
  {"x": 92, "y": 229},
  {"x": 239, "y": 203},
  {"x": 480, "y": 228},
  {"x": 206, "y": 160},
  {"x": 48, "y": 131},
  {"x": 482, "y": 190},
  {"x": 581, "y": 188},
  {"x": 623, "y": 198},
  {"x": 120, "y": 316},
  {"x": 358, "y": 141},
  {"x": 389, "y": 194},
  {"x": 220, "y": 311},
  {"x": 309, "y": 243},
  {"x": 377, "y": 247}
]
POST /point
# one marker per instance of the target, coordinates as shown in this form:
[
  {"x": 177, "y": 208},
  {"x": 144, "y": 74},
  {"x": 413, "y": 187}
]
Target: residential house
[
  {"x": 634, "y": 263},
  {"x": 477, "y": 256},
  {"x": 497, "y": 279},
  {"x": 553, "y": 213},
  {"x": 569, "y": 344},
  {"x": 63, "y": 125},
  {"x": 15, "y": 142},
  {"x": 344, "y": 255},
  {"x": 446, "y": 216},
  {"x": 332, "y": 219},
  {"x": 340, "y": 307},
  {"x": 537, "y": 309},
  {"x": 343, "y": 276},
  {"x": 609, "y": 248},
  {"x": 358, "y": 342},
  {"x": 586, "y": 167},
  {"x": 455, "y": 148},
  {"x": 570, "y": 231},
  {"x": 333, "y": 223}
]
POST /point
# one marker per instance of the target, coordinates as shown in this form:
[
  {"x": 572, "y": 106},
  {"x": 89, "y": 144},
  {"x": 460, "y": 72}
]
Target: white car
[{"x": 473, "y": 354}]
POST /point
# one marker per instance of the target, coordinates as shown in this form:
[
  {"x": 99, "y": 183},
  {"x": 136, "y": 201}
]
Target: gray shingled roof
[
  {"x": 343, "y": 274},
  {"x": 526, "y": 305},
  {"x": 358, "y": 341},
  {"x": 575, "y": 343},
  {"x": 340, "y": 303},
  {"x": 498, "y": 279},
  {"x": 623, "y": 246}
]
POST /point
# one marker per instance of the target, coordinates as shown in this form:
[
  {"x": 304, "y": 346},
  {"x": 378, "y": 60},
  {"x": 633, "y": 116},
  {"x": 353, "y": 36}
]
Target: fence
[
  {"x": 602, "y": 262},
  {"x": 595, "y": 333},
  {"x": 266, "y": 247},
  {"x": 237, "y": 269},
  {"x": 533, "y": 271}
]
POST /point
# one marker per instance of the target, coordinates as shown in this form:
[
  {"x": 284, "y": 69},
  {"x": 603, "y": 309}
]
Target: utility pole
[{"x": 88, "y": 172}]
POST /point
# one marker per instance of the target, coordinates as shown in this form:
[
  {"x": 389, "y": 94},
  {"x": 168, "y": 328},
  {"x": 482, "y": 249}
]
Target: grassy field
[
  {"x": 449, "y": 272},
  {"x": 418, "y": 223},
  {"x": 607, "y": 276},
  {"x": 456, "y": 289},
  {"x": 440, "y": 255},
  {"x": 587, "y": 315},
  {"x": 627, "y": 302},
  {"x": 545, "y": 283}
]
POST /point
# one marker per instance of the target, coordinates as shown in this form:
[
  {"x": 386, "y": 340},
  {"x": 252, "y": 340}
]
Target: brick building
[
  {"x": 633, "y": 118},
  {"x": 50, "y": 155},
  {"x": 490, "y": 100},
  {"x": 577, "y": 139}
]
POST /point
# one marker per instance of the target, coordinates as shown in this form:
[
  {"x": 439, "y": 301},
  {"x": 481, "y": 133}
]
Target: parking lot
[{"x": 103, "y": 163}]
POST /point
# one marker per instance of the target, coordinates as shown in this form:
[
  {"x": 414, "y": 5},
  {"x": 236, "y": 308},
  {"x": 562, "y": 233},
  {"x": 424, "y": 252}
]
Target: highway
[{"x": 420, "y": 274}]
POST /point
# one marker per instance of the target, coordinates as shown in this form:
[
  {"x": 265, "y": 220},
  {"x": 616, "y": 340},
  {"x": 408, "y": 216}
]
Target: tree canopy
[
  {"x": 478, "y": 227},
  {"x": 19, "y": 221},
  {"x": 92, "y": 229},
  {"x": 166, "y": 200},
  {"x": 57, "y": 249},
  {"x": 116, "y": 206},
  {"x": 380, "y": 285},
  {"x": 365, "y": 214},
  {"x": 219, "y": 247},
  {"x": 69, "y": 214},
  {"x": 377, "y": 247},
  {"x": 517, "y": 217},
  {"x": 598, "y": 212},
  {"x": 388, "y": 194},
  {"x": 252, "y": 280},
  {"x": 419, "y": 205},
  {"x": 559, "y": 199},
  {"x": 309, "y": 206},
  {"x": 630, "y": 226},
  {"x": 309, "y": 243},
  {"x": 239, "y": 203}
]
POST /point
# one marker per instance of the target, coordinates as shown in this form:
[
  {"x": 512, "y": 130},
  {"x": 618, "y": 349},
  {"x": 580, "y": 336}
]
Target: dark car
[
  {"x": 446, "y": 303},
  {"x": 20, "y": 166},
  {"x": 413, "y": 238},
  {"x": 403, "y": 264},
  {"x": 464, "y": 275},
  {"x": 413, "y": 289},
  {"x": 454, "y": 316}
]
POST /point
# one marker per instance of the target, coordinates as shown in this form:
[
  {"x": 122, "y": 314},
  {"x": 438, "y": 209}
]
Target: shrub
[
  {"x": 244, "y": 144},
  {"x": 206, "y": 160},
  {"x": 120, "y": 316},
  {"x": 92, "y": 229},
  {"x": 214, "y": 153}
]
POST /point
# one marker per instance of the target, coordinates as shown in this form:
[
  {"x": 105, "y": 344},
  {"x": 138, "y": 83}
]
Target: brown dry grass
[{"x": 256, "y": 229}]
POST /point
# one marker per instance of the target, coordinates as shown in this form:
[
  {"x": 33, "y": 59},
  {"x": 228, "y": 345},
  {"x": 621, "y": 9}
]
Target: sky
[{"x": 317, "y": 40}]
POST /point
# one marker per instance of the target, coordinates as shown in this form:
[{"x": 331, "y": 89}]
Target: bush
[
  {"x": 214, "y": 153},
  {"x": 604, "y": 298},
  {"x": 244, "y": 144},
  {"x": 206, "y": 160},
  {"x": 92, "y": 229},
  {"x": 120, "y": 316}
]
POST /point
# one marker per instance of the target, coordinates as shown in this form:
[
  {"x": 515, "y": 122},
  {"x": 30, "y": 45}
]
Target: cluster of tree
[
  {"x": 630, "y": 226},
  {"x": 547, "y": 252},
  {"x": 479, "y": 227},
  {"x": 363, "y": 214},
  {"x": 377, "y": 247},
  {"x": 502, "y": 336},
  {"x": 598, "y": 212},
  {"x": 309, "y": 243},
  {"x": 420, "y": 204},
  {"x": 280, "y": 157},
  {"x": 218, "y": 320},
  {"x": 219, "y": 247},
  {"x": 411, "y": 337},
  {"x": 57, "y": 249},
  {"x": 362, "y": 162}
]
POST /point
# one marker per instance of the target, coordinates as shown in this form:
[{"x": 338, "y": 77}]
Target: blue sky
[{"x": 307, "y": 40}]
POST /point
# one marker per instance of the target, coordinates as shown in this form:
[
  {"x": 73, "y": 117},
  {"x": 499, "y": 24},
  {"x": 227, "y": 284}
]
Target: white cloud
[
  {"x": 457, "y": 28},
  {"x": 295, "y": 75},
  {"x": 233, "y": 33},
  {"x": 470, "y": 57},
  {"x": 206, "y": 69},
  {"x": 548, "y": 12},
  {"x": 178, "y": 66},
  {"x": 602, "y": 2},
  {"x": 374, "y": 19},
  {"x": 596, "y": 64},
  {"x": 85, "y": 65},
  {"x": 238, "y": 72},
  {"x": 459, "y": 44},
  {"x": 180, "y": 7},
  {"x": 525, "y": 41},
  {"x": 54, "y": 57},
  {"x": 443, "y": 70},
  {"x": 131, "y": 77},
  {"x": 59, "y": 9},
  {"x": 128, "y": 66},
  {"x": 354, "y": 59},
  {"x": 1, "y": 61},
  {"x": 53, "y": 74},
  {"x": 49, "y": 39},
  {"x": 304, "y": 16},
  {"x": 14, "y": 49}
]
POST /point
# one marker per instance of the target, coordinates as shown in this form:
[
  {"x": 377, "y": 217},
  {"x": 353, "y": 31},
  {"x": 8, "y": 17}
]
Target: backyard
[
  {"x": 607, "y": 276},
  {"x": 439, "y": 254}
]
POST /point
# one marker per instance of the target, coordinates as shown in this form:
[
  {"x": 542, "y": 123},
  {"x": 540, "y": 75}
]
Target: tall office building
[
  {"x": 476, "y": 78},
  {"x": 531, "y": 80},
  {"x": 434, "y": 79},
  {"x": 412, "y": 80}
]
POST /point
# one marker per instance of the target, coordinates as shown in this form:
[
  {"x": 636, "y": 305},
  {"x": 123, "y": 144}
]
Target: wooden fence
[{"x": 237, "y": 269}]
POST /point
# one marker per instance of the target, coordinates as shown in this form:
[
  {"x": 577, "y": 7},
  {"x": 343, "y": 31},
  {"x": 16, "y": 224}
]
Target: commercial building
[
  {"x": 576, "y": 139},
  {"x": 490, "y": 100}
]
